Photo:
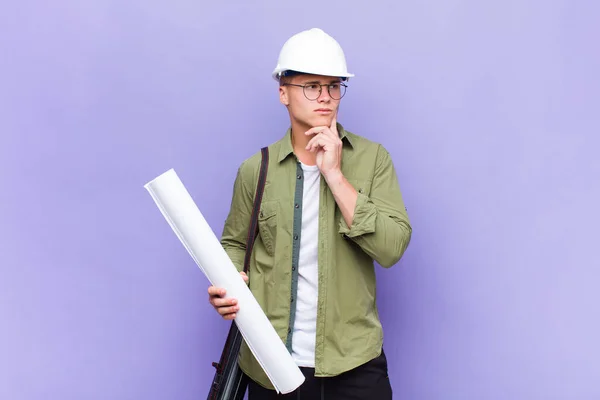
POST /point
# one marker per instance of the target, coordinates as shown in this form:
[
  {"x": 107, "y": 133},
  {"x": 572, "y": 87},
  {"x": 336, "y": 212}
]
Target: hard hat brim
[{"x": 277, "y": 72}]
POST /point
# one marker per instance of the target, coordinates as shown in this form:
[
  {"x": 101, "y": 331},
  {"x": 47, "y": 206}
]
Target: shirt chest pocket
[
  {"x": 362, "y": 186},
  {"x": 267, "y": 225}
]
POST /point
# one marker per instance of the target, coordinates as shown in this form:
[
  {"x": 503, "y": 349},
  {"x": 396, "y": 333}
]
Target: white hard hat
[{"x": 312, "y": 52}]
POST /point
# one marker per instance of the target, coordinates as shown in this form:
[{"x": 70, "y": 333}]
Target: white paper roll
[{"x": 188, "y": 223}]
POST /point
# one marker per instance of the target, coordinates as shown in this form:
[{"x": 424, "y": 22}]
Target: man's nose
[{"x": 324, "y": 96}]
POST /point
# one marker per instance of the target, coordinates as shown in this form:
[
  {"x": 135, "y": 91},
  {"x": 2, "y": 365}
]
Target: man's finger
[
  {"x": 228, "y": 310},
  {"x": 316, "y": 130},
  {"x": 215, "y": 291},
  {"x": 315, "y": 142},
  {"x": 218, "y": 302},
  {"x": 324, "y": 130},
  {"x": 333, "y": 125},
  {"x": 310, "y": 144},
  {"x": 328, "y": 133},
  {"x": 321, "y": 140}
]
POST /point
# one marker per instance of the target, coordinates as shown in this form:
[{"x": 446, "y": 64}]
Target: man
[{"x": 331, "y": 207}]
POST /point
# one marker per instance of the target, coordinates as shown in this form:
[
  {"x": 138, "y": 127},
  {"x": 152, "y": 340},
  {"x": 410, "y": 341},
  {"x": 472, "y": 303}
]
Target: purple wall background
[{"x": 490, "y": 110}]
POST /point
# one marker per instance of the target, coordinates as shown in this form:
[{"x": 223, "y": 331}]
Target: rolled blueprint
[{"x": 188, "y": 223}]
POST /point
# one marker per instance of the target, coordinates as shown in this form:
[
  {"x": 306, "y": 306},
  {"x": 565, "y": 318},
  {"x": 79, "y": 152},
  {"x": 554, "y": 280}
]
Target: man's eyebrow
[{"x": 318, "y": 82}]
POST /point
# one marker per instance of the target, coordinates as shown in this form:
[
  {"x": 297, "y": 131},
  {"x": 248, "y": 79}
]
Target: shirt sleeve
[
  {"x": 235, "y": 230},
  {"x": 380, "y": 226}
]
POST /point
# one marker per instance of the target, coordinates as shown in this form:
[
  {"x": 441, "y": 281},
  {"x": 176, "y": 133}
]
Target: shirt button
[
  {"x": 360, "y": 190},
  {"x": 293, "y": 268},
  {"x": 295, "y": 237},
  {"x": 299, "y": 176},
  {"x": 292, "y": 299},
  {"x": 297, "y": 205}
]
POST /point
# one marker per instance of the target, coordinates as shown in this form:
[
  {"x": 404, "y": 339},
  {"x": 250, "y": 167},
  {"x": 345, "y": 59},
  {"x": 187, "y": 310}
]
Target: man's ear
[{"x": 283, "y": 96}]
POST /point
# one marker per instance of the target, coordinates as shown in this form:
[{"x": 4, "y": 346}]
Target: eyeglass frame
[{"x": 320, "y": 88}]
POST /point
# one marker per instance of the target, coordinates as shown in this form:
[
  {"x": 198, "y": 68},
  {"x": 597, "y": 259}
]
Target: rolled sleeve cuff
[{"x": 363, "y": 222}]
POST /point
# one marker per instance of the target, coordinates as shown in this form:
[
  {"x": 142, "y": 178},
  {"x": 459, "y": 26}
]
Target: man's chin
[
  {"x": 316, "y": 120},
  {"x": 322, "y": 120}
]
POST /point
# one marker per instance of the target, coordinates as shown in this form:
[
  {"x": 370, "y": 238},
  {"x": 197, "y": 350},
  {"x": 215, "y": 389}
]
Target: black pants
[{"x": 369, "y": 381}]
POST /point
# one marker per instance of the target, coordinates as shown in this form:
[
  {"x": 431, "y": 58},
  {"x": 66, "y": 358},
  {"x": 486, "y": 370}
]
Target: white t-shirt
[{"x": 305, "y": 324}]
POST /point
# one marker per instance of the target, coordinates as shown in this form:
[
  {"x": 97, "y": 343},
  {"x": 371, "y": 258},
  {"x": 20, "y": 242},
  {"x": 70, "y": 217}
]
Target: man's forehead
[{"x": 309, "y": 78}]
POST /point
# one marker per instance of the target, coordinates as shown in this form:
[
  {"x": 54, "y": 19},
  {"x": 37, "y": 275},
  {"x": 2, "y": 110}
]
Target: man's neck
[{"x": 299, "y": 143}]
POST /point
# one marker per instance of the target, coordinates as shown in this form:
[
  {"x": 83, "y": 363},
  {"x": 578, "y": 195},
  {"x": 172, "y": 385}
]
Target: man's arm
[
  {"x": 344, "y": 194},
  {"x": 378, "y": 223},
  {"x": 235, "y": 231},
  {"x": 233, "y": 241}
]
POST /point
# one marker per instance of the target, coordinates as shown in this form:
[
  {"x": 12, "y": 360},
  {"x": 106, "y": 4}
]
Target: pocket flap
[{"x": 267, "y": 210}]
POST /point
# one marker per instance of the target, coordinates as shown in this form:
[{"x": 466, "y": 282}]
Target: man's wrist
[{"x": 334, "y": 177}]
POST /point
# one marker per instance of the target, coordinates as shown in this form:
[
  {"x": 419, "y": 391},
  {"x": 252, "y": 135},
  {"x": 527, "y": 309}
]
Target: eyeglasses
[{"x": 312, "y": 91}]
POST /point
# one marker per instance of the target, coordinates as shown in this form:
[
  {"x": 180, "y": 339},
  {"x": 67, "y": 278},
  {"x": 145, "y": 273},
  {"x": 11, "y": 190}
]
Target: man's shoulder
[
  {"x": 369, "y": 151},
  {"x": 251, "y": 162},
  {"x": 363, "y": 144},
  {"x": 250, "y": 166}
]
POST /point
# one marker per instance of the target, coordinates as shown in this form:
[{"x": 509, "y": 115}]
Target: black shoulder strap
[{"x": 253, "y": 229}]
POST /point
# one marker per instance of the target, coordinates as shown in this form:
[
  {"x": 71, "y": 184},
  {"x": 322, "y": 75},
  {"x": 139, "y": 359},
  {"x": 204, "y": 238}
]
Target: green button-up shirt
[{"x": 349, "y": 331}]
